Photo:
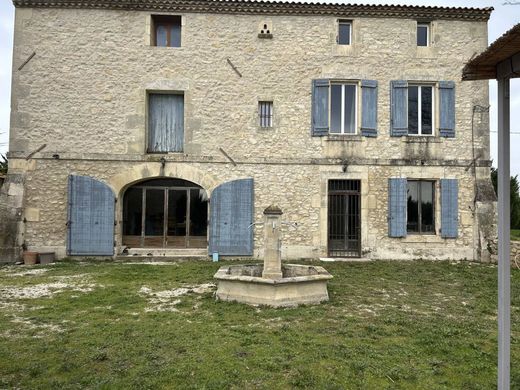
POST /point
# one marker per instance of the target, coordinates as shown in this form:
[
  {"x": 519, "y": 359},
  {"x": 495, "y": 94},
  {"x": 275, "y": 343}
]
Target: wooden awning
[{"x": 500, "y": 60}]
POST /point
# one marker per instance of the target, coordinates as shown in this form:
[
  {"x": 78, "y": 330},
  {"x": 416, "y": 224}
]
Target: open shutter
[
  {"x": 397, "y": 207},
  {"x": 166, "y": 123},
  {"x": 399, "y": 108},
  {"x": 449, "y": 208},
  {"x": 91, "y": 217},
  {"x": 447, "y": 109},
  {"x": 231, "y": 216},
  {"x": 320, "y": 108},
  {"x": 369, "y": 108}
]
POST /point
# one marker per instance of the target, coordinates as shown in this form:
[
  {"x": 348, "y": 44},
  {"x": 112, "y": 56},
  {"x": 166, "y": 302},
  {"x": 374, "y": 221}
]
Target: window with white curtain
[{"x": 165, "y": 123}]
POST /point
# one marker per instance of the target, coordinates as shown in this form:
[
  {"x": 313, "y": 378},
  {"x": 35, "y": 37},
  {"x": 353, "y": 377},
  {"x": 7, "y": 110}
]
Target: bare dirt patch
[
  {"x": 166, "y": 300},
  {"x": 77, "y": 283},
  {"x": 8, "y": 271}
]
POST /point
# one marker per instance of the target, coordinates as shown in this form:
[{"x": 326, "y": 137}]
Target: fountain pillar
[{"x": 272, "y": 250}]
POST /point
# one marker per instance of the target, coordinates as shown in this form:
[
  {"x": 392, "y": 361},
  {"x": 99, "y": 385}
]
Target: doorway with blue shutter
[
  {"x": 165, "y": 213},
  {"x": 344, "y": 218}
]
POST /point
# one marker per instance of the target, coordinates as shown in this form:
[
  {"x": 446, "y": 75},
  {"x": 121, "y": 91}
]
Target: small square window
[
  {"x": 265, "y": 113},
  {"x": 344, "y": 32},
  {"x": 423, "y": 34},
  {"x": 166, "y": 30}
]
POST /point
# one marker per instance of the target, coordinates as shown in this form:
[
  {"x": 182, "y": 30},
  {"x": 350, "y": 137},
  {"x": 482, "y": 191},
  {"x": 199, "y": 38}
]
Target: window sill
[
  {"x": 344, "y": 137},
  {"x": 163, "y": 153},
  {"x": 413, "y": 238},
  {"x": 422, "y": 139},
  {"x": 166, "y": 47}
]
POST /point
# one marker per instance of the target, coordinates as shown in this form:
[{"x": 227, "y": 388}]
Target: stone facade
[{"x": 84, "y": 95}]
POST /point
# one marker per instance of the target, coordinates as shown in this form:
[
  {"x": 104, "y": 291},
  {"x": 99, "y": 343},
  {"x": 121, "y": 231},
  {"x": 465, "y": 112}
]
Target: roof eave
[{"x": 270, "y": 8}]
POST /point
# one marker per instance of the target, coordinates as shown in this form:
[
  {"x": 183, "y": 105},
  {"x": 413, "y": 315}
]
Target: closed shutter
[
  {"x": 447, "y": 109},
  {"x": 231, "y": 216},
  {"x": 369, "y": 108},
  {"x": 449, "y": 208},
  {"x": 397, "y": 207},
  {"x": 320, "y": 108},
  {"x": 399, "y": 108},
  {"x": 90, "y": 217},
  {"x": 166, "y": 123}
]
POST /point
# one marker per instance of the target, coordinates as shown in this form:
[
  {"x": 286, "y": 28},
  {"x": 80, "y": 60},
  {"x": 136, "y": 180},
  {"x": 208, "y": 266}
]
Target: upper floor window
[
  {"x": 165, "y": 123},
  {"x": 343, "y": 108},
  {"x": 166, "y": 30},
  {"x": 420, "y": 110},
  {"x": 265, "y": 113},
  {"x": 423, "y": 34},
  {"x": 344, "y": 32},
  {"x": 417, "y": 108}
]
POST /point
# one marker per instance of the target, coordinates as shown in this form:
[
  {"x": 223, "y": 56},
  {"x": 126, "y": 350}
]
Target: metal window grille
[
  {"x": 344, "y": 214},
  {"x": 265, "y": 111}
]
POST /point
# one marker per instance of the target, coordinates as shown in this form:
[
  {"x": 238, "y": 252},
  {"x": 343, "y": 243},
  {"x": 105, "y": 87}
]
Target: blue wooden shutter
[
  {"x": 91, "y": 217},
  {"x": 369, "y": 108},
  {"x": 166, "y": 123},
  {"x": 447, "y": 109},
  {"x": 231, "y": 214},
  {"x": 397, "y": 189},
  {"x": 449, "y": 208},
  {"x": 399, "y": 108},
  {"x": 320, "y": 108}
]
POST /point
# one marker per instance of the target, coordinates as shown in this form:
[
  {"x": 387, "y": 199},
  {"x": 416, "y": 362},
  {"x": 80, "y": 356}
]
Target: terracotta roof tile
[{"x": 270, "y": 8}]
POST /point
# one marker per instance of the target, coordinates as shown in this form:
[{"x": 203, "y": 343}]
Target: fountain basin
[{"x": 300, "y": 284}]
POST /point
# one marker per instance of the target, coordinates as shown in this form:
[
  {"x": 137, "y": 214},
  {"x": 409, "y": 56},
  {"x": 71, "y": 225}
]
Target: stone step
[{"x": 166, "y": 252}]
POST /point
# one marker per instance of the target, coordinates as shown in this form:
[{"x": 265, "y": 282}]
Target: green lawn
[
  {"x": 515, "y": 234},
  {"x": 388, "y": 325}
]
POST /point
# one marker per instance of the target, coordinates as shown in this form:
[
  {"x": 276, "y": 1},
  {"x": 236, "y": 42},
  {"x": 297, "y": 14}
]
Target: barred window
[{"x": 265, "y": 112}]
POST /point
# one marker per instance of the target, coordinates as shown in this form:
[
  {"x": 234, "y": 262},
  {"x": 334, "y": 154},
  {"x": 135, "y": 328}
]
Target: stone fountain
[{"x": 273, "y": 284}]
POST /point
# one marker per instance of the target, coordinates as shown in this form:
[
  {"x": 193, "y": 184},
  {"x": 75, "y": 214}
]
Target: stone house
[{"x": 168, "y": 126}]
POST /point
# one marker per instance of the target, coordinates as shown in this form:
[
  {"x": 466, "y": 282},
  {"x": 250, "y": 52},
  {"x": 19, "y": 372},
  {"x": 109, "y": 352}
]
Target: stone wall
[
  {"x": 300, "y": 191},
  {"x": 85, "y": 89},
  {"x": 84, "y": 95}
]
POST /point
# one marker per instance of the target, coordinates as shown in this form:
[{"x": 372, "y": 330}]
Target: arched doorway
[{"x": 165, "y": 212}]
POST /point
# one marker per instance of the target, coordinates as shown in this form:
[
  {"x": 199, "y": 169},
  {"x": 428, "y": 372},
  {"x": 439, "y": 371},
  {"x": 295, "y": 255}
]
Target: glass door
[
  {"x": 154, "y": 217},
  {"x": 177, "y": 218}
]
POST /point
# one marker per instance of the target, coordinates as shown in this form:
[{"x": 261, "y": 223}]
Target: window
[
  {"x": 343, "y": 108},
  {"x": 344, "y": 32},
  {"x": 165, "y": 123},
  {"x": 265, "y": 113},
  {"x": 420, "y": 110},
  {"x": 166, "y": 30},
  {"x": 420, "y": 207},
  {"x": 423, "y": 34}
]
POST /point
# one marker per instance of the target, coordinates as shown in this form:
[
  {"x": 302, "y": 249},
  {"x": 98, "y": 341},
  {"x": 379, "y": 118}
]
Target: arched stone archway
[
  {"x": 151, "y": 170},
  {"x": 164, "y": 212}
]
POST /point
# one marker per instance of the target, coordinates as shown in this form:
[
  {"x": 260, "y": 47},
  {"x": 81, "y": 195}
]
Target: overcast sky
[{"x": 505, "y": 16}]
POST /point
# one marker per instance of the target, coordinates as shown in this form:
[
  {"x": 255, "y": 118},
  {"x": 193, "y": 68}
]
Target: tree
[
  {"x": 3, "y": 164},
  {"x": 514, "y": 197}
]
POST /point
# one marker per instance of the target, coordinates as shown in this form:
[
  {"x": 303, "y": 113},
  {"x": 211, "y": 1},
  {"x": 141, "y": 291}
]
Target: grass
[
  {"x": 388, "y": 325},
  {"x": 515, "y": 234}
]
